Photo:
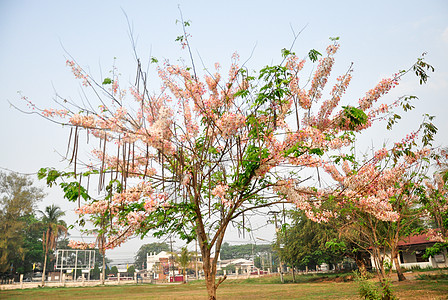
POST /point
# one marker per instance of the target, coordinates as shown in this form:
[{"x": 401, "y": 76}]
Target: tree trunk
[
  {"x": 103, "y": 271},
  {"x": 360, "y": 263},
  {"x": 400, "y": 274},
  {"x": 378, "y": 258},
  {"x": 210, "y": 277},
  {"x": 44, "y": 270}
]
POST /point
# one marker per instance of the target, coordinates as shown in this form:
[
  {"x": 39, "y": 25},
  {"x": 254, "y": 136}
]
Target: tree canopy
[
  {"x": 19, "y": 229},
  {"x": 140, "y": 257},
  {"x": 209, "y": 148}
]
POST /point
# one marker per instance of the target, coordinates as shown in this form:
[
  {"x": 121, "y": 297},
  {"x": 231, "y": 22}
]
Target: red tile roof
[{"x": 416, "y": 240}]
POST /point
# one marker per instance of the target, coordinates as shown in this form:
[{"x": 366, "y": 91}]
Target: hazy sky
[{"x": 36, "y": 37}]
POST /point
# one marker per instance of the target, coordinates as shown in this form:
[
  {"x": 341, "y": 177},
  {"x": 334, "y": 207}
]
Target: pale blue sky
[{"x": 379, "y": 37}]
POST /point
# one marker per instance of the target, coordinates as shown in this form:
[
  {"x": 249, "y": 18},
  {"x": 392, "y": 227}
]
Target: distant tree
[
  {"x": 54, "y": 228},
  {"x": 140, "y": 257},
  {"x": 230, "y": 268},
  {"x": 131, "y": 270},
  {"x": 114, "y": 270},
  {"x": 246, "y": 251},
  {"x": 95, "y": 272},
  {"x": 18, "y": 198},
  {"x": 32, "y": 234},
  {"x": 305, "y": 243},
  {"x": 184, "y": 260}
]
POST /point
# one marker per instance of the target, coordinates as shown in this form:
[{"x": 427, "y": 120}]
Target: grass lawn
[{"x": 263, "y": 288}]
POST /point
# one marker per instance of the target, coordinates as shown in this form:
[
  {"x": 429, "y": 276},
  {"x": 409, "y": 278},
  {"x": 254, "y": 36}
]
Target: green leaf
[
  {"x": 353, "y": 116},
  {"x": 107, "y": 80},
  {"x": 313, "y": 55}
]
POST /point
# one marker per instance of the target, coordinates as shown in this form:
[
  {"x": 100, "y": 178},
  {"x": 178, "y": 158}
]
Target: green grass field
[{"x": 263, "y": 288}]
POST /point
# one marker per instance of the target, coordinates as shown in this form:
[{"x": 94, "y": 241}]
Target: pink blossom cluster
[
  {"x": 293, "y": 64},
  {"x": 83, "y": 121},
  {"x": 374, "y": 94},
  {"x": 230, "y": 123},
  {"x": 50, "y": 113},
  {"x": 436, "y": 236},
  {"x": 80, "y": 245},
  {"x": 220, "y": 191},
  {"x": 323, "y": 117},
  {"x": 134, "y": 218},
  {"x": 78, "y": 72},
  {"x": 320, "y": 216},
  {"x": 190, "y": 124},
  {"x": 212, "y": 82},
  {"x": 134, "y": 194},
  {"x": 154, "y": 201},
  {"x": 305, "y": 200},
  {"x": 320, "y": 77},
  {"x": 186, "y": 179},
  {"x": 382, "y": 109},
  {"x": 381, "y": 154},
  {"x": 119, "y": 237},
  {"x": 114, "y": 86},
  {"x": 97, "y": 207}
]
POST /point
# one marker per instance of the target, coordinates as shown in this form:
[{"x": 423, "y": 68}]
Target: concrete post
[
  {"x": 118, "y": 275},
  {"x": 236, "y": 271},
  {"x": 258, "y": 271},
  {"x": 63, "y": 279},
  {"x": 135, "y": 278},
  {"x": 21, "y": 281},
  {"x": 83, "y": 279},
  {"x": 269, "y": 270}
]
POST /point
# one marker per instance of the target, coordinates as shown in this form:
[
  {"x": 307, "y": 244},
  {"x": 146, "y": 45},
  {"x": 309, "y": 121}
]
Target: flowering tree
[
  {"x": 378, "y": 202},
  {"x": 434, "y": 198},
  {"x": 201, "y": 154}
]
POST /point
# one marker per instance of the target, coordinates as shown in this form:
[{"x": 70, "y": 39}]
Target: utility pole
[
  {"x": 275, "y": 213},
  {"x": 172, "y": 259},
  {"x": 196, "y": 258}
]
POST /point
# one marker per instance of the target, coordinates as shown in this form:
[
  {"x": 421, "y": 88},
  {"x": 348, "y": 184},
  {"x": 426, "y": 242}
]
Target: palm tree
[
  {"x": 54, "y": 229},
  {"x": 184, "y": 260}
]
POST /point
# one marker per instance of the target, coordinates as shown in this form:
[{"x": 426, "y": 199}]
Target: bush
[{"x": 369, "y": 290}]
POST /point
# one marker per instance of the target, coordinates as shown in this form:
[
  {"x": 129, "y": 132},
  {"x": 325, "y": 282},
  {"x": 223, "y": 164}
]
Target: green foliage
[
  {"x": 286, "y": 52},
  {"x": 184, "y": 259},
  {"x": 366, "y": 288},
  {"x": 429, "y": 130},
  {"x": 246, "y": 251},
  {"x": 72, "y": 190},
  {"x": 307, "y": 244},
  {"x": 369, "y": 290},
  {"x": 131, "y": 270},
  {"x": 113, "y": 270},
  {"x": 314, "y": 55},
  {"x": 419, "y": 69},
  {"x": 140, "y": 257},
  {"x": 353, "y": 117},
  {"x": 107, "y": 80},
  {"x": 20, "y": 231},
  {"x": 95, "y": 272},
  {"x": 435, "y": 249}
]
